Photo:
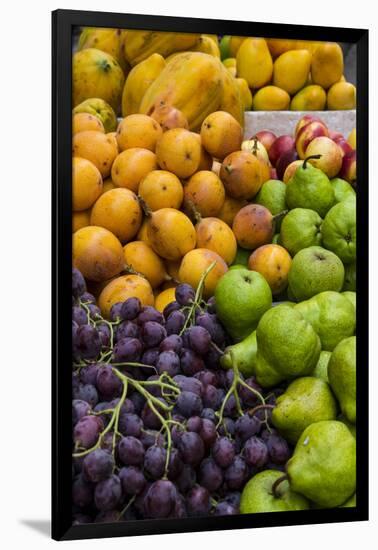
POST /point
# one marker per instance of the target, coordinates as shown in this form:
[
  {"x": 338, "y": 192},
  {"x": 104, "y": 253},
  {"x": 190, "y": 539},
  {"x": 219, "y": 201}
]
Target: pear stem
[
  {"x": 304, "y": 165},
  {"x": 279, "y": 215},
  {"x": 278, "y": 481},
  {"x": 264, "y": 406}
]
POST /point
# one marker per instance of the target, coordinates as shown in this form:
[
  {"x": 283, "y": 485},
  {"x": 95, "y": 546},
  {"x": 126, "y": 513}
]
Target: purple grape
[
  {"x": 236, "y": 474},
  {"x": 211, "y": 398},
  {"x": 107, "y": 442},
  {"x": 154, "y": 461},
  {"x": 151, "y": 437},
  {"x": 246, "y": 426},
  {"x": 138, "y": 402},
  {"x": 227, "y": 428},
  {"x": 168, "y": 362},
  {"x": 190, "y": 362},
  {"x": 175, "y": 464},
  {"x": 171, "y": 343},
  {"x": 130, "y": 424},
  {"x": 87, "y": 342},
  {"x": 132, "y": 480},
  {"x": 189, "y": 404},
  {"x": 255, "y": 452},
  {"x": 191, "y": 448},
  {"x": 160, "y": 499},
  {"x": 127, "y": 350},
  {"x": 233, "y": 498},
  {"x": 115, "y": 311},
  {"x": 199, "y": 340},
  {"x": 184, "y": 294},
  {"x": 207, "y": 377},
  {"x": 131, "y": 451},
  {"x": 213, "y": 327},
  {"x": 185, "y": 383},
  {"x": 87, "y": 298},
  {"x": 223, "y": 452},
  {"x": 94, "y": 311},
  {"x": 224, "y": 508},
  {"x": 248, "y": 397},
  {"x": 180, "y": 508},
  {"x": 110, "y": 516},
  {"x": 127, "y": 329},
  {"x": 108, "y": 384},
  {"x": 80, "y": 408},
  {"x": 108, "y": 493},
  {"x": 79, "y": 315},
  {"x": 98, "y": 465},
  {"x": 150, "y": 420},
  {"x": 194, "y": 424},
  {"x": 86, "y": 392},
  {"x": 187, "y": 479},
  {"x": 212, "y": 358},
  {"x": 104, "y": 333},
  {"x": 198, "y": 501},
  {"x": 210, "y": 475},
  {"x": 149, "y": 313},
  {"x": 175, "y": 322},
  {"x": 130, "y": 309},
  {"x": 208, "y": 432},
  {"x": 88, "y": 374},
  {"x": 82, "y": 492},
  {"x": 150, "y": 357},
  {"x": 78, "y": 283},
  {"x": 209, "y": 414},
  {"x": 177, "y": 433},
  {"x": 211, "y": 308},
  {"x": 87, "y": 430},
  {"x": 153, "y": 333},
  {"x": 278, "y": 449},
  {"x": 169, "y": 308}
]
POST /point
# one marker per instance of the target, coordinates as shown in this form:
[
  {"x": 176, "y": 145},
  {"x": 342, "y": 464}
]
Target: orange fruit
[
  {"x": 253, "y": 226},
  {"x": 141, "y": 258},
  {"x": 80, "y": 219},
  {"x": 161, "y": 189},
  {"x": 97, "y": 147},
  {"x": 230, "y": 208},
  {"x": 243, "y": 174},
  {"x": 205, "y": 191},
  {"x": 122, "y": 288},
  {"x": 164, "y": 298},
  {"x": 171, "y": 233},
  {"x": 86, "y": 121},
  {"x": 86, "y": 184},
  {"x": 138, "y": 131},
  {"x": 195, "y": 263},
  {"x": 131, "y": 166},
  {"x": 179, "y": 151},
  {"x": 273, "y": 262},
  {"x": 221, "y": 134},
  {"x": 215, "y": 235}
]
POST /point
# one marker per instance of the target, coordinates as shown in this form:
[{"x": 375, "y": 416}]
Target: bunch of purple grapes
[{"x": 161, "y": 449}]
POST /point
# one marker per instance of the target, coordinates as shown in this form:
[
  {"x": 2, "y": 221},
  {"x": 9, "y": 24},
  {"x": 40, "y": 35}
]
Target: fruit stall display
[{"x": 213, "y": 282}]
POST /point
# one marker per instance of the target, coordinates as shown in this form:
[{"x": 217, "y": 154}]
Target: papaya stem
[
  {"x": 144, "y": 206},
  {"x": 304, "y": 165},
  {"x": 278, "y": 481}
]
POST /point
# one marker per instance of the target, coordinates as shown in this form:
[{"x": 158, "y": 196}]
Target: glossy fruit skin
[
  {"x": 221, "y": 134},
  {"x": 171, "y": 233},
  {"x": 101, "y": 149},
  {"x": 230, "y": 208},
  {"x": 216, "y": 235},
  {"x": 308, "y": 133},
  {"x": 165, "y": 297},
  {"x": 327, "y": 64},
  {"x": 161, "y": 189},
  {"x": 86, "y": 121},
  {"x": 331, "y": 157},
  {"x": 291, "y": 70},
  {"x": 86, "y": 184},
  {"x": 253, "y": 226},
  {"x": 140, "y": 44},
  {"x": 118, "y": 211},
  {"x": 193, "y": 265},
  {"x": 205, "y": 191},
  {"x": 273, "y": 262},
  {"x": 271, "y": 98},
  {"x": 310, "y": 98},
  {"x": 100, "y": 109},
  {"x": 131, "y": 166},
  {"x": 121, "y": 288},
  {"x": 141, "y": 258},
  {"x": 254, "y": 62},
  {"x": 138, "y": 131},
  {"x": 243, "y": 174},
  {"x": 340, "y": 96},
  {"x": 97, "y": 253},
  {"x": 179, "y": 151}
]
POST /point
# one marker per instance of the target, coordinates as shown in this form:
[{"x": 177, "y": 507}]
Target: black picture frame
[{"x": 63, "y": 22}]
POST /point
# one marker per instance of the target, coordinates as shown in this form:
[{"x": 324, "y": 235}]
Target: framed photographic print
[{"x": 210, "y": 223}]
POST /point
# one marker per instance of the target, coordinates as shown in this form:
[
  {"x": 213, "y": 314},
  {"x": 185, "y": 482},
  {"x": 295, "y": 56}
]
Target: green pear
[
  {"x": 323, "y": 466},
  {"x": 258, "y": 496},
  {"x": 310, "y": 188},
  {"x": 300, "y": 229},
  {"x": 343, "y": 190},
  {"x": 306, "y": 400},
  {"x": 276, "y": 238},
  {"x": 272, "y": 195},
  {"x": 351, "y": 296},
  {"x": 321, "y": 368},
  {"x": 242, "y": 257},
  {"x": 242, "y": 355},
  {"x": 287, "y": 346},
  {"x": 342, "y": 376},
  {"x": 315, "y": 270},
  {"x": 332, "y": 316},
  {"x": 351, "y": 427},
  {"x": 339, "y": 230},
  {"x": 242, "y": 297},
  {"x": 350, "y": 503},
  {"x": 350, "y": 277}
]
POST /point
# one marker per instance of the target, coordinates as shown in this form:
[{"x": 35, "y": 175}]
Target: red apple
[
  {"x": 306, "y": 119},
  {"x": 273, "y": 174},
  {"x": 329, "y": 153},
  {"x": 306, "y": 134},
  {"x": 335, "y": 135},
  {"x": 344, "y": 146},
  {"x": 279, "y": 146},
  {"x": 348, "y": 169},
  {"x": 284, "y": 160},
  {"x": 266, "y": 137}
]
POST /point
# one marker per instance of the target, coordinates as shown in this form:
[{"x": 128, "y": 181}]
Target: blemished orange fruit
[
  {"x": 195, "y": 263},
  {"x": 80, "y": 219},
  {"x": 97, "y": 147},
  {"x": 273, "y": 262},
  {"x": 221, "y": 134},
  {"x": 206, "y": 160},
  {"x": 216, "y": 235},
  {"x": 131, "y": 166},
  {"x": 164, "y": 298},
  {"x": 107, "y": 185},
  {"x": 86, "y": 184},
  {"x": 122, "y": 288},
  {"x": 161, "y": 189},
  {"x": 118, "y": 210},
  {"x": 169, "y": 117},
  {"x": 243, "y": 174},
  {"x": 97, "y": 253},
  {"x": 141, "y": 258},
  {"x": 86, "y": 121},
  {"x": 179, "y": 151},
  {"x": 138, "y": 131},
  {"x": 253, "y": 226},
  {"x": 171, "y": 233},
  {"x": 230, "y": 208},
  {"x": 205, "y": 191},
  {"x": 142, "y": 234}
]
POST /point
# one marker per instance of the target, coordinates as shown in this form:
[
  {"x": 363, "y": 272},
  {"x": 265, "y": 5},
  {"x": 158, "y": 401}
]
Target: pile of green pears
[{"x": 305, "y": 342}]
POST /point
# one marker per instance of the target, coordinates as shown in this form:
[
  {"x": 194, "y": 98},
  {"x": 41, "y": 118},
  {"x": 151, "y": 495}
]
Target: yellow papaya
[
  {"x": 327, "y": 64},
  {"x": 96, "y": 74},
  {"x": 207, "y": 45},
  {"x": 138, "y": 81},
  {"x": 138, "y": 45},
  {"x": 231, "y": 100},
  {"x": 191, "y": 82},
  {"x": 234, "y": 44},
  {"x": 254, "y": 62},
  {"x": 245, "y": 93},
  {"x": 106, "y": 40}
]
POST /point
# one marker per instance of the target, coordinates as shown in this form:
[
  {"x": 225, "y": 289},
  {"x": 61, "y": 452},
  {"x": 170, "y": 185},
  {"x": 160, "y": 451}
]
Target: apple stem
[
  {"x": 304, "y": 165},
  {"x": 254, "y": 150},
  {"x": 278, "y": 481}
]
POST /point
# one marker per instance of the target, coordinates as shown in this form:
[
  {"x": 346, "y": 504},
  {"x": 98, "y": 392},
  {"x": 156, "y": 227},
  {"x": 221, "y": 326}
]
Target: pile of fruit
[{"x": 144, "y": 71}]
